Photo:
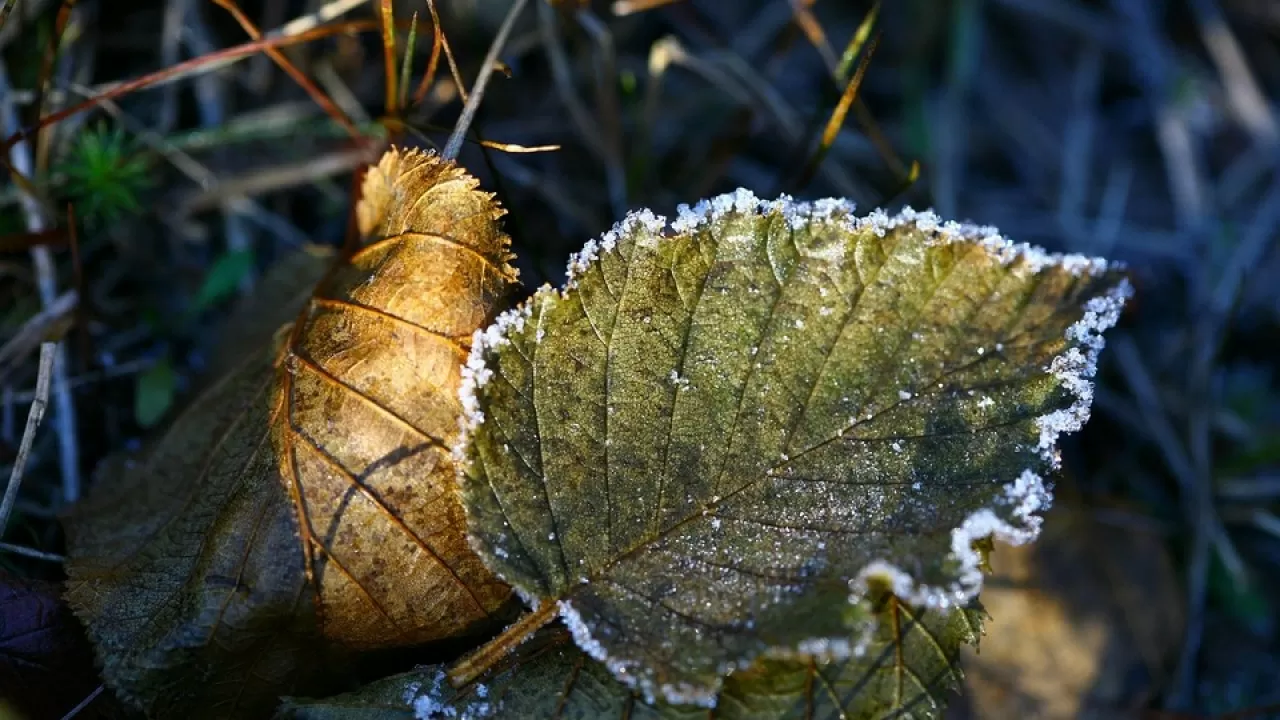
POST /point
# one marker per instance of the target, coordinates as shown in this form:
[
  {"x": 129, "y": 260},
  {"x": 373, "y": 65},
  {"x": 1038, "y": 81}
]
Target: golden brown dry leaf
[
  {"x": 370, "y": 382},
  {"x": 304, "y": 504},
  {"x": 1083, "y": 624}
]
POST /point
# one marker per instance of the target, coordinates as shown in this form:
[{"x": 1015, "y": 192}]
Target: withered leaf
[
  {"x": 702, "y": 446},
  {"x": 184, "y": 563},
  {"x": 46, "y": 664},
  {"x": 370, "y": 392},
  {"x": 906, "y": 669},
  {"x": 305, "y": 504}
]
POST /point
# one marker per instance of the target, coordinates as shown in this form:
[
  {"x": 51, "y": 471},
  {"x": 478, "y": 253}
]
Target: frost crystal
[
  {"x": 580, "y": 261},
  {"x": 476, "y": 374},
  {"x": 428, "y": 706},
  {"x": 1076, "y": 366}
]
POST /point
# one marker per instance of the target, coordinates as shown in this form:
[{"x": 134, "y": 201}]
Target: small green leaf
[
  {"x": 710, "y": 440},
  {"x": 153, "y": 394},
  {"x": 905, "y": 670},
  {"x": 223, "y": 278}
]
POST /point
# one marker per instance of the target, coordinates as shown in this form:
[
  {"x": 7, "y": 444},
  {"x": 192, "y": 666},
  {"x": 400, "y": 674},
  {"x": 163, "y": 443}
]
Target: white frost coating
[
  {"x": 476, "y": 374},
  {"x": 580, "y": 261},
  {"x": 825, "y": 649},
  {"x": 897, "y": 581},
  {"x": 428, "y": 705},
  {"x": 1075, "y": 367},
  {"x": 1021, "y": 499},
  {"x": 625, "y": 671},
  {"x": 1027, "y": 494}
]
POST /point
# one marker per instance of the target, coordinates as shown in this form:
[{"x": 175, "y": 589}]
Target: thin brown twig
[
  {"x": 448, "y": 52},
  {"x": 34, "y": 416}
]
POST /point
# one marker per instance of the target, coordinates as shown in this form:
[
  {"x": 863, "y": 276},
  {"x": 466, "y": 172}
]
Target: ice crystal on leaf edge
[{"x": 1027, "y": 494}]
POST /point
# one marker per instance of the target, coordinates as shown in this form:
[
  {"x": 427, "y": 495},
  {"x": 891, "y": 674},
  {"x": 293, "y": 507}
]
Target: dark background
[{"x": 1143, "y": 130}]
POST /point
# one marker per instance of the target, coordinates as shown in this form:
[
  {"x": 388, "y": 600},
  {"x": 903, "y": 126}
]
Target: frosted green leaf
[
  {"x": 705, "y": 445},
  {"x": 907, "y": 670}
]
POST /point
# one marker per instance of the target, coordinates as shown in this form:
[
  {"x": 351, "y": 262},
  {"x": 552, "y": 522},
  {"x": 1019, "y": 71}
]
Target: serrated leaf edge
[{"x": 1027, "y": 495}]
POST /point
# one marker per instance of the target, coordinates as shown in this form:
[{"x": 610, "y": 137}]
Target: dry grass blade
[
  {"x": 448, "y": 51},
  {"x": 389, "y": 55},
  {"x": 42, "y": 326},
  {"x": 802, "y": 11},
  {"x": 837, "y": 117},
  {"x": 627, "y": 7},
  {"x": 34, "y": 416},
  {"x": 433, "y": 64}
]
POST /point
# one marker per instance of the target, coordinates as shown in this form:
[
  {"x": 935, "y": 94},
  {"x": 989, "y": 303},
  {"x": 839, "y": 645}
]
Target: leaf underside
[
  {"x": 907, "y": 669},
  {"x": 708, "y": 439}
]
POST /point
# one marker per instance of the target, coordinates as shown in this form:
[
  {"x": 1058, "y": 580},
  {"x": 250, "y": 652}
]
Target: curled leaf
[
  {"x": 305, "y": 505},
  {"x": 371, "y": 409},
  {"x": 707, "y": 442},
  {"x": 904, "y": 670}
]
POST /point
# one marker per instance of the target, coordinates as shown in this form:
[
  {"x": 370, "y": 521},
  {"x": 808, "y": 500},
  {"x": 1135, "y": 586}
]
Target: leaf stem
[{"x": 471, "y": 667}]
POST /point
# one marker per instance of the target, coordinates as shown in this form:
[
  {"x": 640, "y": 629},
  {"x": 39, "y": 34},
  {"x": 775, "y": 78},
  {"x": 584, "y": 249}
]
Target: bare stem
[{"x": 471, "y": 667}]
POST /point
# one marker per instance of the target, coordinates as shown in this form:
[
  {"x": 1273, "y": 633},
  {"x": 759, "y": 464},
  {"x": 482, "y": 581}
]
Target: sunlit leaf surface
[{"x": 716, "y": 433}]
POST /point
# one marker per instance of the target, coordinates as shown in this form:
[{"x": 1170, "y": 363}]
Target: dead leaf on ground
[
  {"x": 370, "y": 387},
  {"x": 305, "y": 503},
  {"x": 46, "y": 664},
  {"x": 1085, "y": 623}
]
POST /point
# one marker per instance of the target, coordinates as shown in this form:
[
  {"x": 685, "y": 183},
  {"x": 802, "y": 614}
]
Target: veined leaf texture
[{"x": 304, "y": 505}]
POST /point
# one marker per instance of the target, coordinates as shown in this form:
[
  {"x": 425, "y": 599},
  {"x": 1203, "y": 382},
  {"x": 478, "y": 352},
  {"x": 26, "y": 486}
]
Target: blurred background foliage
[{"x": 1144, "y": 130}]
